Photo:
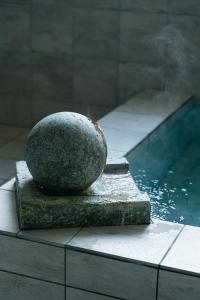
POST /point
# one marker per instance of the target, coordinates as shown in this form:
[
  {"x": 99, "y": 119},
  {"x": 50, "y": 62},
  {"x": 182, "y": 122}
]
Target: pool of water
[{"x": 168, "y": 168}]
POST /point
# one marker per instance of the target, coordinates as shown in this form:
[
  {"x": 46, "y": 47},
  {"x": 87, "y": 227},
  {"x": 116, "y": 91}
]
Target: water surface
[{"x": 168, "y": 169}]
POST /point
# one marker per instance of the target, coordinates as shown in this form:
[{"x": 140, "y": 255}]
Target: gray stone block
[
  {"x": 113, "y": 199},
  {"x": 137, "y": 34},
  {"x": 95, "y": 82},
  {"x": 96, "y": 33},
  {"x": 110, "y": 277},
  {"x": 148, "y": 6},
  {"x": 97, "y": 4},
  {"x": 15, "y": 26},
  {"x": 77, "y": 294},
  {"x": 52, "y": 27},
  {"x": 32, "y": 259},
  {"x": 16, "y": 287}
]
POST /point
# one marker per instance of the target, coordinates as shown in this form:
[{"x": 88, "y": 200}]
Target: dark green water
[{"x": 168, "y": 169}]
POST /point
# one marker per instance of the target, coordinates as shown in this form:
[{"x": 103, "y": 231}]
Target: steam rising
[{"x": 177, "y": 56}]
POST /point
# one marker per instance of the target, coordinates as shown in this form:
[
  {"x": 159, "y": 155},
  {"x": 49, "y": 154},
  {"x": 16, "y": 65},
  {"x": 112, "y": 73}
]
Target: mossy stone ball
[{"x": 65, "y": 153}]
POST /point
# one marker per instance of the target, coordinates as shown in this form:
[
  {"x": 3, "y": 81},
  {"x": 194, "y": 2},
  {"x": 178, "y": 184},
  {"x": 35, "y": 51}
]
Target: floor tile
[
  {"x": 144, "y": 243},
  {"x": 135, "y": 122},
  {"x": 153, "y": 102},
  {"x": 8, "y": 212},
  {"x": 60, "y": 236},
  {"x": 13, "y": 150},
  {"x": 110, "y": 277},
  {"x": 15, "y": 287},
  {"x": 175, "y": 286},
  {"x": 77, "y": 294},
  {"x": 115, "y": 153},
  {"x": 9, "y": 185},
  {"x": 32, "y": 259},
  {"x": 96, "y": 33},
  {"x": 122, "y": 140},
  {"x": 185, "y": 253}
]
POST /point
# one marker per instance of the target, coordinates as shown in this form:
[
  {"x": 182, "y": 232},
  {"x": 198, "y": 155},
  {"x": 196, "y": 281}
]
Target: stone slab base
[{"x": 113, "y": 199}]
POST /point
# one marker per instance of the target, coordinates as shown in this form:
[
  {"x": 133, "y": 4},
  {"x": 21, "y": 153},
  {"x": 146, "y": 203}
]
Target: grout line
[
  {"x": 170, "y": 247},
  {"x": 95, "y": 293},
  {"x": 118, "y": 58},
  {"x": 69, "y": 241},
  {"x": 65, "y": 272},
  {"x": 32, "y": 277},
  {"x": 180, "y": 272},
  {"x": 112, "y": 257},
  {"x": 157, "y": 283},
  {"x": 162, "y": 123},
  {"x": 168, "y": 12},
  {"x": 73, "y": 51},
  {"x": 19, "y": 236}
]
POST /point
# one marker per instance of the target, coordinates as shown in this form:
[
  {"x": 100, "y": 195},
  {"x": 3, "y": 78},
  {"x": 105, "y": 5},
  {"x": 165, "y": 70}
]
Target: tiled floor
[{"x": 157, "y": 261}]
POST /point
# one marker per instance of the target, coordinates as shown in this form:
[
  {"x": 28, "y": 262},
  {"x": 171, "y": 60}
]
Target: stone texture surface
[
  {"x": 65, "y": 153},
  {"x": 113, "y": 199}
]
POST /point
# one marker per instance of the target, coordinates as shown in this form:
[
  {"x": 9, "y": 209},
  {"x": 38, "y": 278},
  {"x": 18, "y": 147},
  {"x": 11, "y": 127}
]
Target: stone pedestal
[{"x": 113, "y": 199}]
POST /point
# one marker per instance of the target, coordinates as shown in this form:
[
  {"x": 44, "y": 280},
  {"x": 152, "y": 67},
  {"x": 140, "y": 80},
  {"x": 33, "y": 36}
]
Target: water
[{"x": 168, "y": 169}]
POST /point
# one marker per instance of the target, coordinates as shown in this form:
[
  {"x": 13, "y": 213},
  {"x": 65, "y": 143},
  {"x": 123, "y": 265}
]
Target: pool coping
[
  {"x": 172, "y": 250},
  {"x": 185, "y": 101}
]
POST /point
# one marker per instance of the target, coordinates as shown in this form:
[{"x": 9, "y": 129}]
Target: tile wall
[{"x": 90, "y": 55}]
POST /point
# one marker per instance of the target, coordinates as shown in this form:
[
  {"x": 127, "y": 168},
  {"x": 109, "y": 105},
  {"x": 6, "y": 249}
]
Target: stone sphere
[{"x": 65, "y": 153}]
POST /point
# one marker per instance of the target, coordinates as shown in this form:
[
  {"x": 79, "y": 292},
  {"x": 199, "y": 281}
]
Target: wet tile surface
[
  {"x": 144, "y": 243},
  {"x": 60, "y": 236},
  {"x": 139, "y": 123},
  {"x": 128, "y": 139},
  {"x": 153, "y": 103},
  {"x": 8, "y": 213},
  {"x": 9, "y": 185},
  {"x": 184, "y": 255}
]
